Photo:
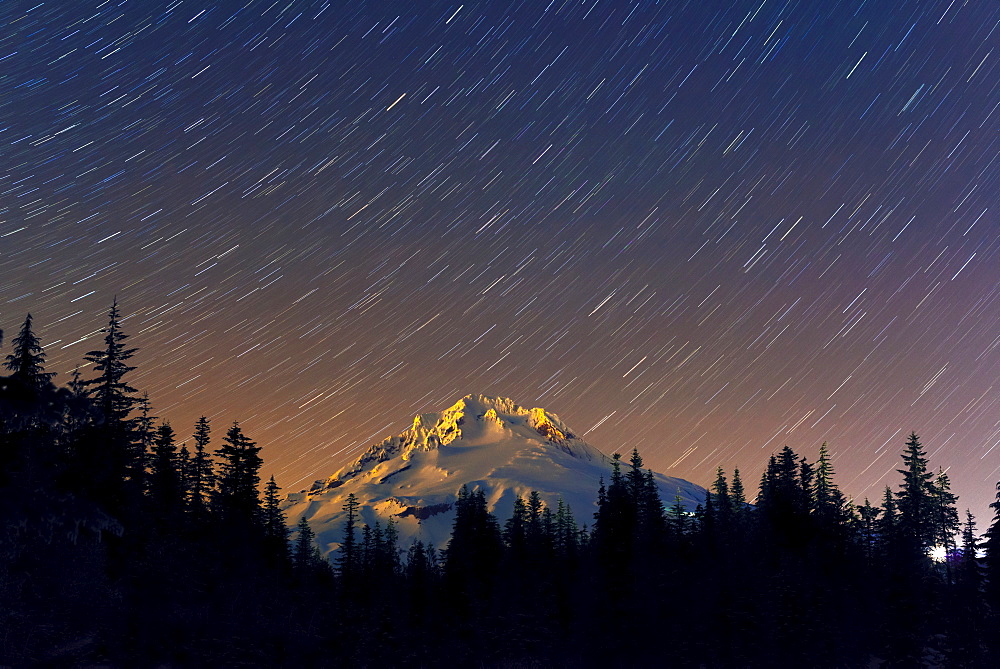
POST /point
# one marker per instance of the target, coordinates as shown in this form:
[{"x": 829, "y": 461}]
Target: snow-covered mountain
[{"x": 489, "y": 443}]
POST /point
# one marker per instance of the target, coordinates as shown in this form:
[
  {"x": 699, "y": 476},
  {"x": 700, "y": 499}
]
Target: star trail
[{"x": 705, "y": 229}]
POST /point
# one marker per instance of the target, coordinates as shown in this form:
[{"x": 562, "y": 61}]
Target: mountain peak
[
  {"x": 488, "y": 443},
  {"x": 474, "y": 413},
  {"x": 473, "y": 421}
]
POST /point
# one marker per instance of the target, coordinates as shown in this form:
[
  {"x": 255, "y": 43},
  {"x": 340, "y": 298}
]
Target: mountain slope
[{"x": 485, "y": 442}]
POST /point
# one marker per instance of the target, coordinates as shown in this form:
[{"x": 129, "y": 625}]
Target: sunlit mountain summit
[{"x": 487, "y": 443}]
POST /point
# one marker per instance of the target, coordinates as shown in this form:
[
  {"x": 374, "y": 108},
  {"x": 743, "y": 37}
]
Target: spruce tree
[
  {"x": 367, "y": 553},
  {"x": 722, "y": 503},
  {"x": 652, "y": 516},
  {"x": 887, "y": 525},
  {"x": 828, "y": 501},
  {"x": 27, "y": 361},
  {"x": 915, "y": 498},
  {"x": 535, "y": 529},
  {"x": 144, "y": 436},
  {"x": 475, "y": 548},
  {"x": 275, "y": 530},
  {"x": 237, "y": 497},
  {"x": 615, "y": 521},
  {"x": 202, "y": 470},
  {"x": 634, "y": 478},
  {"x": 112, "y": 395},
  {"x": 516, "y": 530},
  {"x": 305, "y": 555},
  {"x": 967, "y": 613},
  {"x": 566, "y": 531},
  {"x": 113, "y": 474},
  {"x": 945, "y": 523},
  {"x": 868, "y": 530},
  {"x": 391, "y": 544},
  {"x": 349, "y": 560},
  {"x": 677, "y": 518},
  {"x": 184, "y": 473},
  {"x": 737, "y": 494},
  {"x": 991, "y": 560},
  {"x": 164, "y": 480}
]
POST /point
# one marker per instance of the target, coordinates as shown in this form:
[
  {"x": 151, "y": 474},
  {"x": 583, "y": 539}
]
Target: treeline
[{"x": 120, "y": 547}]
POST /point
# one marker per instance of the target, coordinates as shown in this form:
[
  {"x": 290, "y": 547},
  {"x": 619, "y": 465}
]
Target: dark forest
[{"x": 118, "y": 547}]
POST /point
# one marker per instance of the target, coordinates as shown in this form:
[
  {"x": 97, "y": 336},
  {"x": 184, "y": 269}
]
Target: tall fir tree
[
  {"x": 887, "y": 526},
  {"x": 916, "y": 498},
  {"x": 677, "y": 518},
  {"x": 991, "y": 559},
  {"x": 828, "y": 502},
  {"x": 112, "y": 467},
  {"x": 651, "y": 514},
  {"x": 737, "y": 493},
  {"x": 391, "y": 543},
  {"x": 306, "y": 556},
  {"x": 27, "y": 361},
  {"x": 109, "y": 465},
  {"x": 275, "y": 528},
  {"x": 867, "y": 530},
  {"x": 475, "y": 549},
  {"x": 348, "y": 562},
  {"x": 165, "y": 487},
  {"x": 237, "y": 497},
  {"x": 967, "y": 613},
  {"x": 615, "y": 521},
  {"x": 144, "y": 436},
  {"x": 112, "y": 394},
  {"x": 566, "y": 533},
  {"x": 202, "y": 478},
  {"x": 722, "y": 503},
  {"x": 634, "y": 479},
  {"x": 184, "y": 473},
  {"x": 945, "y": 522},
  {"x": 515, "y": 532}
]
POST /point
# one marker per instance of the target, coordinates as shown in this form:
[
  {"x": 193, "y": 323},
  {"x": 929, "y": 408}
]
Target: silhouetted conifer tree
[
  {"x": 615, "y": 521},
  {"x": 722, "y": 503},
  {"x": 237, "y": 498},
  {"x": 27, "y": 361},
  {"x": 651, "y": 514},
  {"x": 165, "y": 487},
  {"x": 275, "y": 530},
  {"x": 348, "y": 563},
  {"x": 393, "y": 562},
  {"x": 634, "y": 479},
  {"x": 566, "y": 532},
  {"x": 737, "y": 494},
  {"x": 202, "y": 478},
  {"x": 306, "y": 556},
  {"x": 868, "y": 531},
  {"x": 991, "y": 559},
  {"x": 112, "y": 464},
  {"x": 969, "y": 624},
  {"x": 475, "y": 548},
  {"x": 112, "y": 394},
  {"x": 916, "y": 499},
  {"x": 144, "y": 434},
  {"x": 678, "y": 518},
  {"x": 888, "y": 526},
  {"x": 184, "y": 472},
  {"x": 516, "y": 530},
  {"x": 828, "y": 501},
  {"x": 944, "y": 520}
]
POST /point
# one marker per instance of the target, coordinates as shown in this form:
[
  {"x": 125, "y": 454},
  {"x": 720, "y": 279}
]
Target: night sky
[{"x": 706, "y": 229}]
